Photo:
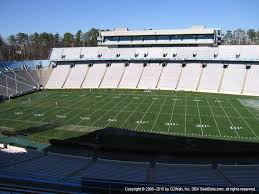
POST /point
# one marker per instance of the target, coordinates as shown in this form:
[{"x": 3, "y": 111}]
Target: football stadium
[{"x": 147, "y": 111}]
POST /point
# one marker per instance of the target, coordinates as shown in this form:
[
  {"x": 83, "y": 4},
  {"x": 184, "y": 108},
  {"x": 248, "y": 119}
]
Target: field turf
[{"x": 67, "y": 113}]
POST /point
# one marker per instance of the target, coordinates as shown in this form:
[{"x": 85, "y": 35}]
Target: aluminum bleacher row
[
  {"x": 223, "y": 69},
  {"x": 221, "y": 52},
  {"x": 37, "y": 167},
  {"x": 231, "y": 78},
  {"x": 18, "y": 81}
]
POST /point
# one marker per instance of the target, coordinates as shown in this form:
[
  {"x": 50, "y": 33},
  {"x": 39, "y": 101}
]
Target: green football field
[{"x": 68, "y": 113}]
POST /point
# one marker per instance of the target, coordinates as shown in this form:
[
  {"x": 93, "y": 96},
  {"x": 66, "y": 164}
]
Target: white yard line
[
  {"x": 253, "y": 114},
  {"x": 158, "y": 114},
  {"x": 7, "y": 109},
  {"x": 107, "y": 111},
  {"x": 133, "y": 112},
  {"x": 83, "y": 109},
  {"x": 30, "y": 112},
  {"x": 145, "y": 114},
  {"x": 243, "y": 119},
  {"x": 71, "y": 110},
  {"x": 25, "y": 121},
  {"x": 213, "y": 117},
  {"x": 33, "y": 101},
  {"x": 15, "y": 105},
  {"x": 199, "y": 116},
  {"x": 172, "y": 113},
  {"x": 193, "y": 105},
  {"x": 44, "y": 112},
  {"x": 57, "y": 111},
  {"x": 185, "y": 112},
  {"x": 88, "y": 109},
  {"x": 100, "y": 108},
  {"x": 120, "y": 112},
  {"x": 228, "y": 117},
  {"x": 66, "y": 100}
]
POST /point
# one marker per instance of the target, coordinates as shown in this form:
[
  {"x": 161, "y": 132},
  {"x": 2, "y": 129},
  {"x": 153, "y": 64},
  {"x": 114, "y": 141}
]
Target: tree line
[
  {"x": 241, "y": 37},
  {"x": 22, "y": 46}
]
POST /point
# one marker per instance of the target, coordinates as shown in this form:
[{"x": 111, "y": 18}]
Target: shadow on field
[
  {"x": 124, "y": 140},
  {"x": 38, "y": 129}
]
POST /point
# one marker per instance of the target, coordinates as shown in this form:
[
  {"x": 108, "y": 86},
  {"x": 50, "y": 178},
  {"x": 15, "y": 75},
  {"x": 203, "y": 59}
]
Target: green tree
[
  {"x": 91, "y": 37},
  {"x": 2, "y": 46},
  {"x": 78, "y": 38},
  {"x": 23, "y": 41},
  {"x": 46, "y": 39},
  {"x": 57, "y": 40},
  {"x": 240, "y": 37},
  {"x": 251, "y": 34},
  {"x": 68, "y": 39},
  {"x": 2, "y": 43},
  {"x": 35, "y": 38},
  {"x": 12, "y": 40},
  {"x": 22, "y": 38},
  {"x": 257, "y": 37},
  {"x": 228, "y": 37}
]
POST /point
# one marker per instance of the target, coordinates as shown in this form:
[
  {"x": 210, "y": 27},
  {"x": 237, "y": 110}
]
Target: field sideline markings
[
  {"x": 185, "y": 111},
  {"x": 78, "y": 108},
  {"x": 15, "y": 104},
  {"x": 28, "y": 121},
  {"x": 100, "y": 108},
  {"x": 133, "y": 111},
  {"x": 30, "y": 111},
  {"x": 172, "y": 113},
  {"x": 243, "y": 119},
  {"x": 71, "y": 110},
  {"x": 187, "y": 105},
  {"x": 24, "y": 99},
  {"x": 57, "y": 108},
  {"x": 110, "y": 109},
  {"x": 158, "y": 113},
  {"x": 154, "y": 95},
  {"x": 213, "y": 117},
  {"x": 251, "y": 112},
  {"x": 33, "y": 110},
  {"x": 87, "y": 109},
  {"x": 228, "y": 118},
  {"x": 7, "y": 109},
  {"x": 145, "y": 113},
  {"x": 42, "y": 101},
  {"x": 79, "y": 101},
  {"x": 199, "y": 116},
  {"x": 206, "y": 94},
  {"x": 120, "y": 111},
  {"x": 46, "y": 97}
]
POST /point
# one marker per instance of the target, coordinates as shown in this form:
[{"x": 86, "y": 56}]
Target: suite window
[
  {"x": 125, "y": 38},
  {"x": 148, "y": 38},
  {"x": 163, "y": 38},
  {"x": 176, "y": 37},
  {"x": 138, "y": 38},
  {"x": 205, "y": 36},
  {"x": 189, "y": 36}
]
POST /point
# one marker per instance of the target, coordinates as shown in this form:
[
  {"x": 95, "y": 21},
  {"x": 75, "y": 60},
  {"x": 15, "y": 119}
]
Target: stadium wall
[
  {"x": 200, "y": 77},
  {"x": 21, "y": 77}
]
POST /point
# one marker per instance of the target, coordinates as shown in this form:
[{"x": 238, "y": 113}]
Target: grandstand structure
[
  {"x": 185, "y": 59},
  {"x": 188, "y": 59},
  {"x": 197, "y": 35},
  {"x": 18, "y": 78},
  {"x": 175, "y": 60},
  {"x": 36, "y": 171}
]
